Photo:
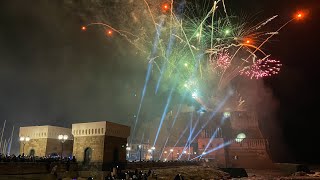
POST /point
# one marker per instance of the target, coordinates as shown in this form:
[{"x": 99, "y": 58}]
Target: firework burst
[
  {"x": 261, "y": 68},
  {"x": 194, "y": 48}
]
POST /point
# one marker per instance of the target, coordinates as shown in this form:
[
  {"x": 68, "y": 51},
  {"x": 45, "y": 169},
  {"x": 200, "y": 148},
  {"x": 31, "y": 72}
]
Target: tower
[
  {"x": 237, "y": 141},
  {"x": 44, "y": 141},
  {"x": 102, "y": 143}
]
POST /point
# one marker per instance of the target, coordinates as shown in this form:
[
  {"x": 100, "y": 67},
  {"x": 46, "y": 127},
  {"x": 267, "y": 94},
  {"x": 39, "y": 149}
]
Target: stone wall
[
  {"x": 96, "y": 143},
  {"x": 249, "y": 153},
  {"x": 218, "y": 154},
  {"x": 55, "y": 146},
  {"x": 38, "y": 145},
  {"x": 115, "y": 149}
]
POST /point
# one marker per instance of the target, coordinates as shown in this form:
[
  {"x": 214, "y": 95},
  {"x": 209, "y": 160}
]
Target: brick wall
[
  {"x": 96, "y": 143},
  {"x": 38, "y": 145},
  {"x": 114, "y": 146}
]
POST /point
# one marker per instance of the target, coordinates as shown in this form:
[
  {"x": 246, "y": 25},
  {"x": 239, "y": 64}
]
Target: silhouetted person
[{"x": 178, "y": 177}]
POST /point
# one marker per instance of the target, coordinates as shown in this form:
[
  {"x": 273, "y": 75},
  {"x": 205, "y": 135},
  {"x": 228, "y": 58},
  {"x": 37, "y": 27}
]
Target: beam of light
[
  {"x": 164, "y": 146},
  {"x": 142, "y": 137},
  {"x": 173, "y": 123},
  {"x": 163, "y": 116},
  {"x": 153, "y": 52},
  {"x": 220, "y": 105},
  {"x": 142, "y": 98},
  {"x": 183, "y": 132},
  {"x": 164, "y": 65},
  {"x": 210, "y": 141},
  {"x": 214, "y": 135},
  {"x": 212, "y": 115},
  {"x": 212, "y": 150},
  {"x": 176, "y": 116},
  {"x": 189, "y": 141}
]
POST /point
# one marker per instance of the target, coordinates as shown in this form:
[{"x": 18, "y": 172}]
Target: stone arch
[
  {"x": 32, "y": 152},
  {"x": 87, "y": 155}
]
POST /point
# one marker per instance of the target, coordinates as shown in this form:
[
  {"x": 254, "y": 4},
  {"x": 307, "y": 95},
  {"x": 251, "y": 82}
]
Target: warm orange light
[
  {"x": 248, "y": 41},
  {"x": 83, "y": 28},
  {"x": 299, "y": 15},
  {"x": 165, "y": 7},
  {"x": 109, "y": 32}
]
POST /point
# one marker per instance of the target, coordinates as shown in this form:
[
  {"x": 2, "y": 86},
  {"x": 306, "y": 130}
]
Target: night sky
[{"x": 52, "y": 73}]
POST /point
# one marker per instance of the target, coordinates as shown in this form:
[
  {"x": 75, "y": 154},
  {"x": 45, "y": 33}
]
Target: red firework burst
[{"x": 261, "y": 68}]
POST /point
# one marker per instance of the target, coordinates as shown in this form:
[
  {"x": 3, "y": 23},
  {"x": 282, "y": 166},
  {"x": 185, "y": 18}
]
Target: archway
[
  {"x": 87, "y": 155},
  {"x": 32, "y": 152}
]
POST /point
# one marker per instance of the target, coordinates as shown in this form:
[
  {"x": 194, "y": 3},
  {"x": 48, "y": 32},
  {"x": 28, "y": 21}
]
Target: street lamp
[
  {"x": 171, "y": 150},
  {"x": 62, "y": 139},
  {"x": 140, "y": 152},
  {"x": 24, "y": 140}
]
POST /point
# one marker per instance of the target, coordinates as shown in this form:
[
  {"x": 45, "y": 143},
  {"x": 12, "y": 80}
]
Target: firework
[
  {"x": 196, "y": 51},
  {"x": 262, "y": 68}
]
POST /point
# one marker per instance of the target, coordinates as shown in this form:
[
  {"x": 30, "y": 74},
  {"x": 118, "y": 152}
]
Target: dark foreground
[{"x": 193, "y": 172}]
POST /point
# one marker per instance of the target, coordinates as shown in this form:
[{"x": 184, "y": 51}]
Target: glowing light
[
  {"x": 299, "y": 15},
  {"x": 83, "y": 28},
  {"x": 109, "y": 32},
  {"x": 165, "y": 7},
  {"x": 226, "y": 114},
  {"x": 186, "y": 64},
  {"x": 171, "y": 150},
  {"x": 240, "y": 137},
  {"x": 248, "y": 41},
  {"x": 227, "y": 31},
  {"x": 194, "y": 95}
]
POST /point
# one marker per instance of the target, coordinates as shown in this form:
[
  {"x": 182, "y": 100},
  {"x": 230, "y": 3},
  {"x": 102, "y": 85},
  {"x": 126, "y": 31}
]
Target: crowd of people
[
  {"x": 133, "y": 175},
  {"x": 25, "y": 158}
]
